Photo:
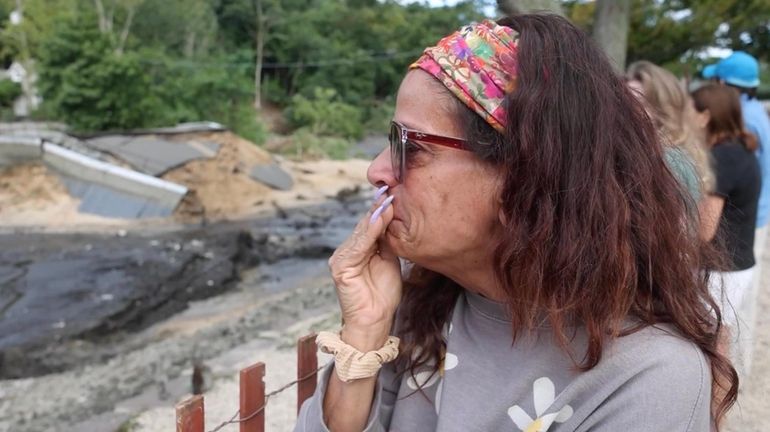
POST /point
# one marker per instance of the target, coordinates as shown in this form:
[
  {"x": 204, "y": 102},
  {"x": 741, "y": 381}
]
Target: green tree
[
  {"x": 115, "y": 18},
  {"x": 85, "y": 83},
  {"x": 325, "y": 114},
  {"x": 178, "y": 28},
  {"x": 748, "y": 28},
  {"x": 194, "y": 91},
  {"x": 669, "y": 32},
  {"x": 9, "y": 91},
  {"x": 512, "y": 7},
  {"x": 37, "y": 22}
]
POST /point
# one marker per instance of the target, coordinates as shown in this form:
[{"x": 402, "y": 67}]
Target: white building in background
[
  {"x": 15, "y": 17},
  {"x": 16, "y": 72},
  {"x": 23, "y": 74},
  {"x": 29, "y": 99}
]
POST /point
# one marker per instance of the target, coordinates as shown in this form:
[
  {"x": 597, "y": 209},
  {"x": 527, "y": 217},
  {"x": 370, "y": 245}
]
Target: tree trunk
[
  {"x": 101, "y": 15},
  {"x": 110, "y": 16},
  {"x": 126, "y": 29},
  {"x": 611, "y": 29},
  {"x": 189, "y": 44},
  {"x": 260, "y": 44},
  {"x": 515, "y": 7}
]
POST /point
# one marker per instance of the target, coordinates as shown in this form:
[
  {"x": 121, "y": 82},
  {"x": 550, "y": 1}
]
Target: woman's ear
[
  {"x": 502, "y": 217},
  {"x": 499, "y": 186}
]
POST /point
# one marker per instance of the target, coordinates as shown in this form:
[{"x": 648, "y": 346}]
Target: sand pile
[
  {"x": 220, "y": 186},
  {"x": 30, "y": 194},
  {"x": 29, "y": 186}
]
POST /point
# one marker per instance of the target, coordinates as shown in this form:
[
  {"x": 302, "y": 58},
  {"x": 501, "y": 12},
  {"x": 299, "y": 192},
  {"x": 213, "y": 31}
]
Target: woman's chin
[
  {"x": 394, "y": 235},
  {"x": 396, "y": 231}
]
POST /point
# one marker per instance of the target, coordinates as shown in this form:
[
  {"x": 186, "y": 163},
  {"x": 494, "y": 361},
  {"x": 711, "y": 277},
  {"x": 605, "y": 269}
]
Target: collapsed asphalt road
[{"x": 68, "y": 299}]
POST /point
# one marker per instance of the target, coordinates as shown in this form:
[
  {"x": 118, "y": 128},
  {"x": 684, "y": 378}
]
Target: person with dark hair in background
[
  {"x": 740, "y": 70},
  {"x": 729, "y": 214},
  {"x": 552, "y": 281}
]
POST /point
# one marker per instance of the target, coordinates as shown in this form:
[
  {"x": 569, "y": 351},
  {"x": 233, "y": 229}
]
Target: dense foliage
[
  {"x": 331, "y": 66},
  {"x": 676, "y": 33},
  {"x": 116, "y": 64}
]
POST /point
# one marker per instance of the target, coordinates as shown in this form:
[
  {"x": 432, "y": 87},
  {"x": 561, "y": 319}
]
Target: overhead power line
[{"x": 375, "y": 58}]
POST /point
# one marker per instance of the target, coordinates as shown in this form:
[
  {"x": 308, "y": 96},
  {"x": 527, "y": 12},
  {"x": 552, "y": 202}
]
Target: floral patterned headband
[{"x": 478, "y": 64}]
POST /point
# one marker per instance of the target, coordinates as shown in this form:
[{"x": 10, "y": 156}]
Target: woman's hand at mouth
[{"x": 367, "y": 277}]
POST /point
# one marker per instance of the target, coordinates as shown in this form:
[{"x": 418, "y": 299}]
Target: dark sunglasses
[{"x": 401, "y": 137}]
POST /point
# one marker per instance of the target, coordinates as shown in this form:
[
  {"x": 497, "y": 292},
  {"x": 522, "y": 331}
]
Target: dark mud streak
[
  {"x": 158, "y": 275},
  {"x": 9, "y": 295}
]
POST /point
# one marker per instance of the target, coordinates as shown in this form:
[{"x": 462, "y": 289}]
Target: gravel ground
[
  {"x": 156, "y": 367},
  {"x": 752, "y": 412}
]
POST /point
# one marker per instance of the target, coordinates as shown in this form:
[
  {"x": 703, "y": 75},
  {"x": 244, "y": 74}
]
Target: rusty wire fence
[{"x": 250, "y": 416}]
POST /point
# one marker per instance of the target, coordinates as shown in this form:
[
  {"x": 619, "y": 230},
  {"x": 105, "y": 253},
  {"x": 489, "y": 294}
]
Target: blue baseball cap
[{"x": 739, "y": 69}]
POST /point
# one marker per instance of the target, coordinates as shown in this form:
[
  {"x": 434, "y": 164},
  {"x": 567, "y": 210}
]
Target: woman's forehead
[{"x": 424, "y": 104}]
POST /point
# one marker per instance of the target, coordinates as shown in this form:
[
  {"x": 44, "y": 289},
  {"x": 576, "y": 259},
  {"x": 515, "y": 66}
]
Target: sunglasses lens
[{"x": 396, "y": 151}]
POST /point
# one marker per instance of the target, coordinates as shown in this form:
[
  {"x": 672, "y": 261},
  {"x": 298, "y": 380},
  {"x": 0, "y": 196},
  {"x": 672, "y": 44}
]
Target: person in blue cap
[{"x": 741, "y": 71}]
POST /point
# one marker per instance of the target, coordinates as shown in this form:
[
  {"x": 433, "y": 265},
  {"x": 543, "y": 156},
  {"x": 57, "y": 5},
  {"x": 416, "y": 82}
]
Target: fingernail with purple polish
[
  {"x": 379, "y": 192},
  {"x": 380, "y": 209}
]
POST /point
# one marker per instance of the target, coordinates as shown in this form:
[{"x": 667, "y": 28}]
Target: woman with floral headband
[{"x": 552, "y": 282}]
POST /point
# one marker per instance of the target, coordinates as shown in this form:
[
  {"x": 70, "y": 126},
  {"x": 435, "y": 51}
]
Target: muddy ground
[
  {"x": 89, "y": 314},
  {"x": 90, "y": 287}
]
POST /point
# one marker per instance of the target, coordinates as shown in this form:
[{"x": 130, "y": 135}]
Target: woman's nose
[{"x": 380, "y": 171}]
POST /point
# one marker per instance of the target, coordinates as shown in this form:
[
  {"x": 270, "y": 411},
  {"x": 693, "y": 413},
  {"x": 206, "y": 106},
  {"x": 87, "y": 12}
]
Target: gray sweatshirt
[{"x": 651, "y": 380}]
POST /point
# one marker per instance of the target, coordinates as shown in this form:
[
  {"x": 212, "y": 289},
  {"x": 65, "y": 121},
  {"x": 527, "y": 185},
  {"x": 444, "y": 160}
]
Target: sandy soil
[
  {"x": 32, "y": 197},
  {"x": 222, "y": 184},
  {"x": 224, "y": 190}
]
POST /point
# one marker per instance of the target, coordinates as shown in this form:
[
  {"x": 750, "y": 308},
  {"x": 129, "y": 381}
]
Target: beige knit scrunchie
[{"x": 352, "y": 364}]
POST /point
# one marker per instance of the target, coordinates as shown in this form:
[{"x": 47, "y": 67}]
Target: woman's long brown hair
[
  {"x": 725, "y": 116},
  {"x": 600, "y": 229}
]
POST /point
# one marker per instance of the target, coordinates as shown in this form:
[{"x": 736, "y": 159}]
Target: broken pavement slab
[
  {"x": 272, "y": 175},
  {"x": 151, "y": 154},
  {"x": 15, "y": 150}
]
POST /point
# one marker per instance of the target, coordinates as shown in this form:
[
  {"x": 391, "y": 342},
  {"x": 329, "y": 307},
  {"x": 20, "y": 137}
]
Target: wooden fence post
[
  {"x": 189, "y": 415},
  {"x": 307, "y": 365},
  {"x": 253, "y": 398}
]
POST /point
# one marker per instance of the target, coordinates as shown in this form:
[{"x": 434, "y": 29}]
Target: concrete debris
[
  {"x": 272, "y": 175},
  {"x": 153, "y": 155}
]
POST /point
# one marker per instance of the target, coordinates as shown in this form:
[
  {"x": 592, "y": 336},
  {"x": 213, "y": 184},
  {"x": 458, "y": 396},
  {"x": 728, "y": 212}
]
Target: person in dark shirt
[{"x": 729, "y": 212}]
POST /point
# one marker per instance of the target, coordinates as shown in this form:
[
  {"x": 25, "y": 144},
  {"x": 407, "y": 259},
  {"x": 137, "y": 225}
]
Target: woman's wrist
[{"x": 364, "y": 339}]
